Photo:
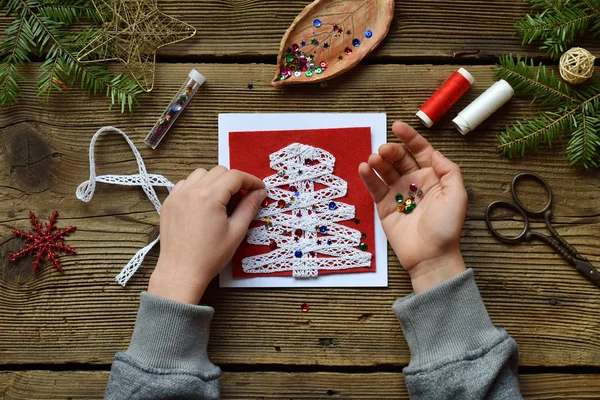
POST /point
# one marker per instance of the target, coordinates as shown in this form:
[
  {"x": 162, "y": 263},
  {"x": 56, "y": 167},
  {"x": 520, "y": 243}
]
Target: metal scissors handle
[{"x": 560, "y": 245}]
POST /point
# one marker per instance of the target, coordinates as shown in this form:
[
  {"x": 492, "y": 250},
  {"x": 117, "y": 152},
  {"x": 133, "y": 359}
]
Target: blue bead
[
  {"x": 332, "y": 205},
  {"x": 317, "y": 23},
  {"x": 298, "y": 253},
  {"x": 368, "y": 34},
  {"x": 355, "y": 42},
  {"x": 323, "y": 229}
]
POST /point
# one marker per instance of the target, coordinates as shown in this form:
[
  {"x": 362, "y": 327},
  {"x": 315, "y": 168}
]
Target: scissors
[{"x": 568, "y": 252}]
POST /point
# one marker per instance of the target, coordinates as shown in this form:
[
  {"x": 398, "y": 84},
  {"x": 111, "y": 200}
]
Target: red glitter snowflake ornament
[{"x": 46, "y": 244}]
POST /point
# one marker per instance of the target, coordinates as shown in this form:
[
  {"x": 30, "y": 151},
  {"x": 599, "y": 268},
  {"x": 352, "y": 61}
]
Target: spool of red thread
[{"x": 445, "y": 97}]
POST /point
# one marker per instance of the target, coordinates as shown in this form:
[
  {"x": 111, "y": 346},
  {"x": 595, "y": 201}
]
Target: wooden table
[{"x": 59, "y": 332}]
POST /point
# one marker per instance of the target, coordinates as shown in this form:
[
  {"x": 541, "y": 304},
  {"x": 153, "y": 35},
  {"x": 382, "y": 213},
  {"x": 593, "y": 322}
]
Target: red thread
[{"x": 445, "y": 97}]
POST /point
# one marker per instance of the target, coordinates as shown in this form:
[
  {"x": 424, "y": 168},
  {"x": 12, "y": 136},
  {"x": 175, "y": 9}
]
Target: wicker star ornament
[{"x": 132, "y": 32}]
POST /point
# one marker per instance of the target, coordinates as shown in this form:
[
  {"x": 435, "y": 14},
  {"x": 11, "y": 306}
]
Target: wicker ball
[{"x": 576, "y": 65}]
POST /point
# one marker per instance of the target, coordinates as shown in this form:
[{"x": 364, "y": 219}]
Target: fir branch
[
  {"x": 41, "y": 27},
  {"x": 558, "y": 23},
  {"x": 577, "y": 114},
  {"x": 541, "y": 83}
]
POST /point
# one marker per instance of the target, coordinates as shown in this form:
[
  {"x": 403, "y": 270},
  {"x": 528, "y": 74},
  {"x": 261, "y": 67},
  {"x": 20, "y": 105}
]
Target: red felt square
[{"x": 249, "y": 152}]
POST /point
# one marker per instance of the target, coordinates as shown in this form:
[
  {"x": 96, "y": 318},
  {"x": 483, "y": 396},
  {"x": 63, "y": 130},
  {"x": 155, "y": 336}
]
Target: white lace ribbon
[
  {"x": 147, "y": 181},
  {"x": 301, "y": 224}
]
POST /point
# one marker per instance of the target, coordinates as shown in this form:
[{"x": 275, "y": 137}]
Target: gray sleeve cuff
[
  {"x": 446, "y": 321},
  {"x": 171, "y": 335}
]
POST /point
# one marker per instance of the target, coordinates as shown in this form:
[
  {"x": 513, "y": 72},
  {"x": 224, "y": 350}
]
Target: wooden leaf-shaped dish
[{"x": 329, "y": 37}]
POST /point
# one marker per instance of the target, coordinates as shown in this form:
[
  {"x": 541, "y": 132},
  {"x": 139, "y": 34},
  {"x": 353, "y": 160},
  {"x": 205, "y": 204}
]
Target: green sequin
[
  {"x": 399, "y": 198},
  {"x": 289, "y": 58},
  {"x": 363, "y": 247},
  {"x": 183, "y": 97},
  {"x": 309, "y": 73},
  {"x": 319, "y": 70},
  {"x": 410, "y": 208}
]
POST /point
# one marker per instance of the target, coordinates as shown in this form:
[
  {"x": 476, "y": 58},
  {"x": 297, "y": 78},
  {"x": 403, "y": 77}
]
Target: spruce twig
[
  {"x": 578, "y": 113},
  {"x": 40, "y": 26}
]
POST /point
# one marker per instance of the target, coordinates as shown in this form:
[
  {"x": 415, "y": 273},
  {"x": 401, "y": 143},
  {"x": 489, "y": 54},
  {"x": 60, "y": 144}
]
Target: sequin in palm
[
  {"x": 301, "y": 222},
  {"x": 46, "y": 241}
]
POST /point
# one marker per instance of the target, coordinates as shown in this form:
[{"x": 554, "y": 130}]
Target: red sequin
[
  {"x": 265, "y": 202},
  {"x": 304, "y": 307},
  {"x": 281, "y": 203},
  {"x": 272, "y": 244},
  {"x": 298, "y": 232}
]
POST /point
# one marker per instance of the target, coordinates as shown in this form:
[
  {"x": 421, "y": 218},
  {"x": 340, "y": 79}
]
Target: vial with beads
[{"x": 176, "y": 106}]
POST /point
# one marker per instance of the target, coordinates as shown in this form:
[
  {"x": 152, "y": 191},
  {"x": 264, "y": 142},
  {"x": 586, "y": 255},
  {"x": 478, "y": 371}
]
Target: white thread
[
  {"x": 85, "y": 191},
  {"x": 305, "y": 209},
  {"x": 483, "y": 106}
]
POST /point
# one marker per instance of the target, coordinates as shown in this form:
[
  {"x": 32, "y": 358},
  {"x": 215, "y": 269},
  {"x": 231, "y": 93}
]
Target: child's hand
[
  {"x": 427, "y": 240},
  {"x": 198, "y": 237}
]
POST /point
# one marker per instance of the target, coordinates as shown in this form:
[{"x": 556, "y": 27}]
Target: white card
[{"x": 275, "y": 122}]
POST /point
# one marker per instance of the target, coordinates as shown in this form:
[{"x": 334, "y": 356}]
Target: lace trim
[
  {"x": 147, "y": 181},
  {"x": 301, "y": 222}
]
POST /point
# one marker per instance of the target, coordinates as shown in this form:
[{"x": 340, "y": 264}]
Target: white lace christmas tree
[{"x": 301, "y": 222}]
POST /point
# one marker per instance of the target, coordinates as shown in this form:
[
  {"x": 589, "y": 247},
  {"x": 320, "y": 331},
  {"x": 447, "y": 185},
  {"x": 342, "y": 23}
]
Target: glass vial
[{"x": 168, "y": 117}]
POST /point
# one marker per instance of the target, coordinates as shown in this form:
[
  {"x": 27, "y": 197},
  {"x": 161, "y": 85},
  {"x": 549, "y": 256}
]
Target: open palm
[{"x": 432, "y": 230}]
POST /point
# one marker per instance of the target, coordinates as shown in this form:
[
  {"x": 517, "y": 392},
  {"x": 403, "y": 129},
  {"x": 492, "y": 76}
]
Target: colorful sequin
[
  {"x": 355, "y": 42},
  {"x": 368, "y": 34},
  {"x": 317, "y": 23}
]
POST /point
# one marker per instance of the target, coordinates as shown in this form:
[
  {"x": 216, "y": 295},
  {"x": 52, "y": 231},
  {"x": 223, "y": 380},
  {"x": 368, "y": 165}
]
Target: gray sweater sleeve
[
  {"x": 167, "y": 356},
  {"x": 456, "y": 351}
]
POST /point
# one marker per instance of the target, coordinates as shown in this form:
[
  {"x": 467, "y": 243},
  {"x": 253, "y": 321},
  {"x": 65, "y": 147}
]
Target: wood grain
[
  {"x": 74, "y": 385},
  {"x": 423, "y": 29},
  {"x": 83, "y": 316}
]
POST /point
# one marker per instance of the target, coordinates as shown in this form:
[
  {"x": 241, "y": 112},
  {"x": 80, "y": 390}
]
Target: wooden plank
[
  {"x": 83, "y": 316},
  {"x": 283, "y": 385},
  {"x": 421, "y": 29}
]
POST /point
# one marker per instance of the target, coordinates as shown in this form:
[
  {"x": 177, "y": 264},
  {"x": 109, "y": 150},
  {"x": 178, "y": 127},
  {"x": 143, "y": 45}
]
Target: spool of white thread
[{"x": 483, "y": 106}]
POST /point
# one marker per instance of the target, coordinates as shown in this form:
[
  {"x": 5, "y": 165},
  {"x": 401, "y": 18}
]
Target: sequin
[
  {"x": 317, "y": 228},
  {"x": 304, "y": 307},
  {"x": 340, "y": 30},
  {"x": 289, "y": 58},
  {"x": 363, "y": 246},
  {"x": 335, "y": 27},
  {"x": 419, "y": 193},
  {"x": 303, "y": 68},
  {"x": 272, "y": 244},
  {"x": 356, "y": 221},
  {"x": 280, "y": 173},
  {"x": 363, "y": 235},
  {"x": 317, "y": 23},
  {"x": 340, "y": 58},
  {"x": 265, "y": 202},
  {"x": 297, "y": 74},
  {"x": 314, "y": 42},
  {"x": 176, "y": 107},
  {"x": 348, "y": 32},
  {"x": 312, "y": 254},
  {"x": 286, "y": 73},
  {"x": 295, "y": 48},
  {"x": 303, "y": 43},
  {"x": 268, "y": 220},
  {"x": 188, "y": 91},
  {"x": 309, "y": 73},
  {"x": 355, "y": 42},
  {"x": 293, "y": 188},
  {"x": 297, "y": 194},
  {"x": 298, "y": 253},
  {"x": 409, "y": 209},
  {"x": 329, "y": 242},
  {"x": 323, "y": 64},
  {"x": 299, "y": 214},
  {"x": 281, "y": 204},
  {"x": 183, "y": 97},
  {"x": 408, "y": 202},
  {"x": 298, "y": 232},
  {"x": 368, "y": 34},
  {"x": 311, "y": 66},
  {"x": 293, "y": 198},
  {"x": 314, "y": 207},
  {"x": 400, "y": 207},
  {"x": 348, "y": 51},
  {"x": 292, "y": 68},
  {"x": 413, "y": 187},
  {"x": 332, "y": 205},
  {"x": 326, "y": 45},
  {"x": 308, "y": 162},
  {"x": 250, "y": 86},
  {"x": 168, "y": 117},
  {"x": 288, "y": 50},
  {"x": 318, "y": 242},
  {"x": 319, "y": 70},
  {"x": 399, "y": 198},
  {"x": 323, "y": 229}
]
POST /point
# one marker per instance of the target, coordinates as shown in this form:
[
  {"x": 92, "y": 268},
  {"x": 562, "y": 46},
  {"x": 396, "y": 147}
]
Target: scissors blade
[{"x": 586, "y": 269}]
